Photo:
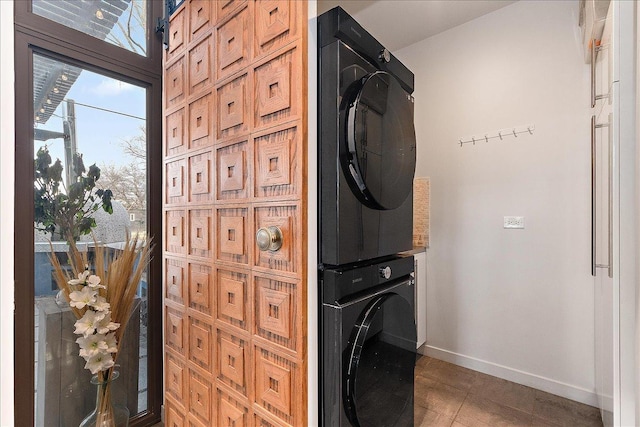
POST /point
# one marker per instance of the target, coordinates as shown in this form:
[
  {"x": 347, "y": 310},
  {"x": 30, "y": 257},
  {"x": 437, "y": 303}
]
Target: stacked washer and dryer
[{"x": 367, "y": 155}]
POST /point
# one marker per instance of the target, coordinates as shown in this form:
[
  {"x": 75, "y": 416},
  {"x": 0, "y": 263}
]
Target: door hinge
[{"x": 162, "y": 26}]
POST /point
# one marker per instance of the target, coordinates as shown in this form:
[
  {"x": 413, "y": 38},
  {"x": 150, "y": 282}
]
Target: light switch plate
[{"x": 513, "y": 222}]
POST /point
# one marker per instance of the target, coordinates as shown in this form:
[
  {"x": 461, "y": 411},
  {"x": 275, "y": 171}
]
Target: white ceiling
[{"x": 400, "y": 23}]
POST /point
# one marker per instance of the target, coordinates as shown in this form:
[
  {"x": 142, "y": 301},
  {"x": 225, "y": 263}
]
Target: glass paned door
[
  {"x": 102, "y": 121},
  {"x": 119, "y": 22}
]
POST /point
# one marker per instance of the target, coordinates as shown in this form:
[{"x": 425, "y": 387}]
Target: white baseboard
[{"x": 558, "y": 388}]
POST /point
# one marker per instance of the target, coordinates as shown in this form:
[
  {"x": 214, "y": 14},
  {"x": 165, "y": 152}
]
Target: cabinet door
[{"x": 420, "y": 271}]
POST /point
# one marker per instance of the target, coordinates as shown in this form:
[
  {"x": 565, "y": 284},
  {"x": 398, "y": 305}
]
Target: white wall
[
  {"x": 6, "y": 211},
  {"x": 514, "y": 303}
]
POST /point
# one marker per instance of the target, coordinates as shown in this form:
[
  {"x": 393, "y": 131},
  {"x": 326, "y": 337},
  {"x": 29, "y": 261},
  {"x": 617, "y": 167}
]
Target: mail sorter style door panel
[{"x": 234, "y": 163}]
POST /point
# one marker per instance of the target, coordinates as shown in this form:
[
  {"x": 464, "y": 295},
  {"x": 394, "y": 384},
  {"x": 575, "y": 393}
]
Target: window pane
[
  {"x": 79, "y": 112},
  {"x": 119, "y": 22}
]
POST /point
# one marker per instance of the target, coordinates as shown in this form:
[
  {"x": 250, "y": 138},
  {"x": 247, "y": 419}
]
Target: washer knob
[
  {"x": 385, "y": 272},
  {"x": 385, "y": 55}
]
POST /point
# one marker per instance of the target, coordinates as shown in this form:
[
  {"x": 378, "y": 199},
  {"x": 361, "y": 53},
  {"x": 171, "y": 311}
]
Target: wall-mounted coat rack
[{"x": 501, "y": 134}]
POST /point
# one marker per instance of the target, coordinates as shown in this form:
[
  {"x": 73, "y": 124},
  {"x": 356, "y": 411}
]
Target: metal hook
[
  {"x": 473, "y": 138},
  {"x": 461, "y": 143},
  {"x": 486, "y": 138},
  {"x": 500, "y": 135},
  {"x": 529, "y": 129},
  {"x": 514, "y": 133}
]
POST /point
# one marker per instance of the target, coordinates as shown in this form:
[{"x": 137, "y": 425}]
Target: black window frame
[{"x": 36, "y": 34}]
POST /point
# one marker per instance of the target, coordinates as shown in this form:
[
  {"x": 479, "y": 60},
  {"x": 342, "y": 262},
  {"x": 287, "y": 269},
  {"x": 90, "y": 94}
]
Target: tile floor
[
  {"x": 447, "y": 395},
  {"x": 452, "y": 396}
]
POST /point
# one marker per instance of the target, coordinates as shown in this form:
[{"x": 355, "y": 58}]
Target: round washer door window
[
  {"x": 380, "y": 362},
  {"x": 378, "y": 152}
]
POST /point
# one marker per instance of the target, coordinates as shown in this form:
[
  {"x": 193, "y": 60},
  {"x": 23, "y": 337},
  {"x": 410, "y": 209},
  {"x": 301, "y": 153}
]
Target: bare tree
[
  {"x": 128, "y": 183},
  {"x": 136, "y": 146},
  {"x": 135, "y": 21}
]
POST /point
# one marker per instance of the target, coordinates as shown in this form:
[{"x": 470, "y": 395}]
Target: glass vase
[{"x": 106, "y": 414}]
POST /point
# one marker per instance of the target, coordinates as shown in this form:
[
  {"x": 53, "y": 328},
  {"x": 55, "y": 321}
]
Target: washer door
[
  {"x": 378, "y": 151},
  {"x": 380, "y": 361}
]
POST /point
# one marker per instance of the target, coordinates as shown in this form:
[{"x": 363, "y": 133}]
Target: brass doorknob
[{"x": 269, "y": 238}]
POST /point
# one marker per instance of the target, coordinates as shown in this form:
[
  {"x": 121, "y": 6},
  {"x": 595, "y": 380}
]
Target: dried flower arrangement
[{"x": 102, "y": 303}]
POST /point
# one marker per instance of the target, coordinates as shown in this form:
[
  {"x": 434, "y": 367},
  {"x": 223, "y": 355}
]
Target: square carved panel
[
  {"x": 232, "y": 44},
  {"x": 232, "y": 161},
  {"x": 201, "y": 343},
  {"x": 226, "y": 7},
  {"x": 273, "y": 20},
  {"x": 273, "y": 88},
  {"x": 231, "y": 235},
  {"x": 200, "y": 229},
  {"x": 173, "y": 417},
  {"x": 259, "y": 421},
  {"x": 174, "y": 279},
  {"x": 174, "y": 232},
  {"x": 175, "y": 379},
  {"x": 233, "y": 108},
  {"x": 200, "y": 288},
  {"x": 277, "y": 90},
  {"x": 231, "y": 173},
  {"x": 175, "y": 330},
  {"x": 200, "y": 397},
  {"x": 274, "y": 311},
  {"x": 278, "y": 174},
  {"x": 175, "y": 188},
  {"x": 230, "y": 416},
  {"x": 175, "y": 141},
  {"x": 278, "y": 306},
  {"x": 176, "y": 34},
  {"x": 285, "y": 260},
  {"x": 200, "y": 66},
  {"x": 199, "y": 16},
  {"x": 201, "y": 122},
  {"x": 174, "y": 83},
  {"x": 200, "y": 178},
  {"x": 231, "y": 365},
  {"x": 231, "y": 413},
  {"x": 273, "y": 384},
  {"x": 232, "y": 298}
]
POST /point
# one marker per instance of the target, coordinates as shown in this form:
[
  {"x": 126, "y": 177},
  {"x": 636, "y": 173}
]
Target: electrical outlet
[{"x": 513, "y": 222}]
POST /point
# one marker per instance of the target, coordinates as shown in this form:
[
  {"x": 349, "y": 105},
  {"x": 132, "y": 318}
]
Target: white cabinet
[{"x": 420, "y": 271}]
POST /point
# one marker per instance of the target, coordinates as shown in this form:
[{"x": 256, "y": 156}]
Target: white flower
[
  {"x": 93, "y": 282},
  {"x": 82, "y": 278},
  {"x": 105, "y": 324},
  {"x": 100, "y": 304},
  {"x": 85, "y": 296},
  {"x": 112, "y": 344},
  {"x": 99, "y": 362},
  {"x": 92, "y": 345},
  {"x": 86, "y": 325}
]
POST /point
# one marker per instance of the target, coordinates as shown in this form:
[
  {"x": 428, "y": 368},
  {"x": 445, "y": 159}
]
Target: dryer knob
[
  {"x": 385, "y": 272},
  {"x": 385, "y": 55}
]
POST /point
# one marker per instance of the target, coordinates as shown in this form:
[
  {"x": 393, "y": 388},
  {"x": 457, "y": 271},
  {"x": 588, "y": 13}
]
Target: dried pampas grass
[{"x": 120, "y": 269}]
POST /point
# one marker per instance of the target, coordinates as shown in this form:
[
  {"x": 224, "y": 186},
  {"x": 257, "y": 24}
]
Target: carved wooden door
[{"x": 235, "y": 153}]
